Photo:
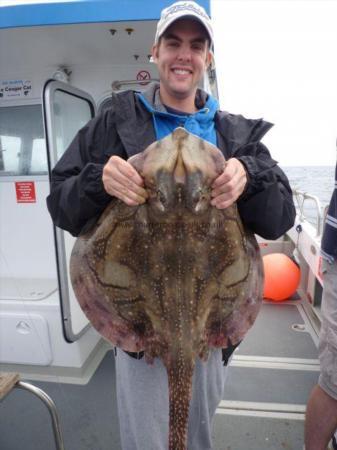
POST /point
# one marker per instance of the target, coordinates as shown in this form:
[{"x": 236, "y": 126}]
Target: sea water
[{"x": 314, "y": 180}]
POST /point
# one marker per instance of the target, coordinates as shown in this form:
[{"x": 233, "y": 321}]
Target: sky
[{"x": 277, "y": 59}]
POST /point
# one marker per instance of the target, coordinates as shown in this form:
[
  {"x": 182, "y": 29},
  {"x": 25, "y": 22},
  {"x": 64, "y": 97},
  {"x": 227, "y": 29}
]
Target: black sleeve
[
  {"x": 77, "y": 196},
  {"x": 266, "y": 206}
]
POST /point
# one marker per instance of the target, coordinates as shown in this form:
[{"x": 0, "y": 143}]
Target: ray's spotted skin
[{"x": 174, "y": 276}]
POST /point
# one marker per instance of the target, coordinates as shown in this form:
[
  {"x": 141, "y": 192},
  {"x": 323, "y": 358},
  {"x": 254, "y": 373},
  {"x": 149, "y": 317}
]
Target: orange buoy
[{"x": 281, "y": 277}]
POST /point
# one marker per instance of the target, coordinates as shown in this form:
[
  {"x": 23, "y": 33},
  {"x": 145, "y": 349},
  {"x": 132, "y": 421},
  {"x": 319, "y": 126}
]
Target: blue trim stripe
[{"x": 84, "y": 11}]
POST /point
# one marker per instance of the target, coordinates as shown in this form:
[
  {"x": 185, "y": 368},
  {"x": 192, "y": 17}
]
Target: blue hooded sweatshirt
[{"x": 200, "y": 123}]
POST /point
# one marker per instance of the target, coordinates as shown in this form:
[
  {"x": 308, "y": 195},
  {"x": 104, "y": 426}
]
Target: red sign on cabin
[{"x": 25, "y": 192}]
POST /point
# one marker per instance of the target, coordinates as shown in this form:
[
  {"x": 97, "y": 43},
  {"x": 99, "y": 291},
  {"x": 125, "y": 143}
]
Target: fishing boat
[{"x": 60, "y": 62}]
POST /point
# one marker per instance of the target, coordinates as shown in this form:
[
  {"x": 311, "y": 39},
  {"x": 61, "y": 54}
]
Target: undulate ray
[{"x": 173, "y": 277}]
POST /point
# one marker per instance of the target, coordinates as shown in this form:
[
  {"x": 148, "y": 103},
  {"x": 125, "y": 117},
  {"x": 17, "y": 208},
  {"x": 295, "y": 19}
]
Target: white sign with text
[{"x": 15, "y": 89}]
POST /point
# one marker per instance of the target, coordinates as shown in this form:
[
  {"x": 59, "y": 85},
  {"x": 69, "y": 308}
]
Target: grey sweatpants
[{"x": 142, "y": 396}]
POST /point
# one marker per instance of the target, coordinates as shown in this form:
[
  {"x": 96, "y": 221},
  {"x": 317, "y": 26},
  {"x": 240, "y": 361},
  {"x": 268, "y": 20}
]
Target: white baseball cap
[{"x": 180, "y": 10}]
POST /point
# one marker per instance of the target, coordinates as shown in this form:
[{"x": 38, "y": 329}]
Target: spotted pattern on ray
[{"x": 173, "y": 277}]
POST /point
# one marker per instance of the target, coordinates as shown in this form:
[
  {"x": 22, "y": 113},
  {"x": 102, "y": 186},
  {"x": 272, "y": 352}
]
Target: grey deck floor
[
  {"x": 89, "y": 417},
  {"x": 87, "y": 413},
  {"x": 246, "y": 433},
  {"x": 273, "y": 338}
]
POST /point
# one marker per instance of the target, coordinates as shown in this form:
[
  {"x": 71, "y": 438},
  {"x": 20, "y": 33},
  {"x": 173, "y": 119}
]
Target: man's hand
[
  {"x": 228, "y": 187},
  {"x": 123, "y": 181}
]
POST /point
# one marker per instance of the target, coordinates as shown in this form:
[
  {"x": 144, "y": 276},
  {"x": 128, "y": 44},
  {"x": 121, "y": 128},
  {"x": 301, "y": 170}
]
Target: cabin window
[
  {"x": 70, "y": 114},
  {"x": 39, "y": 162},
  {"x": 22, "y": 144},
  {"x": 9, "y": 153}
]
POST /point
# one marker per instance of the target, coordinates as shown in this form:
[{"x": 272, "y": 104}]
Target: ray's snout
[
  {"x": 179, "y": 169},
  {"x": 190, "y": 187},
  {"x": 179, "y": 173}
]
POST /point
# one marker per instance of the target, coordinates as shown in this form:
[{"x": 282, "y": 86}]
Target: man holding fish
[{"x": 95, "y": 168}]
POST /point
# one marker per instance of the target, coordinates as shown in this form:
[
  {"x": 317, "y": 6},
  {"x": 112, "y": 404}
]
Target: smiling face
[{"x": 182, "y": 56}]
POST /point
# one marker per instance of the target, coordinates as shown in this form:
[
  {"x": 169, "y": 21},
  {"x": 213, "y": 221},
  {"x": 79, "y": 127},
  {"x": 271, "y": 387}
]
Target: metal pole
[{"x": 51, "y": 408}]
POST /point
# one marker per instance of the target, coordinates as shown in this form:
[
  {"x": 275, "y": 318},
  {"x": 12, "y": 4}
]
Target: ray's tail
[{"x": 180, "y": 374}]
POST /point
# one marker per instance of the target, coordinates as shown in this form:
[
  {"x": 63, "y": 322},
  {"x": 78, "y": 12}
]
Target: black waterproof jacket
[{"x": 77, "y": 196}]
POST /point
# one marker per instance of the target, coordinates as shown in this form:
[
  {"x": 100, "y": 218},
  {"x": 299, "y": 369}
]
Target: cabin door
[{"x": 66, "y": 110}]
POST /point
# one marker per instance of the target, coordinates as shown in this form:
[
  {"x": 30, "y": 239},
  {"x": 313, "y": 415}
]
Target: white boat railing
[{"x": 301, "y": 198}]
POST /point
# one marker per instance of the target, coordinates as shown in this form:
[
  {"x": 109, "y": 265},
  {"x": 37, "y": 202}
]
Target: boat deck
[{"x": 270, "y": 378}]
